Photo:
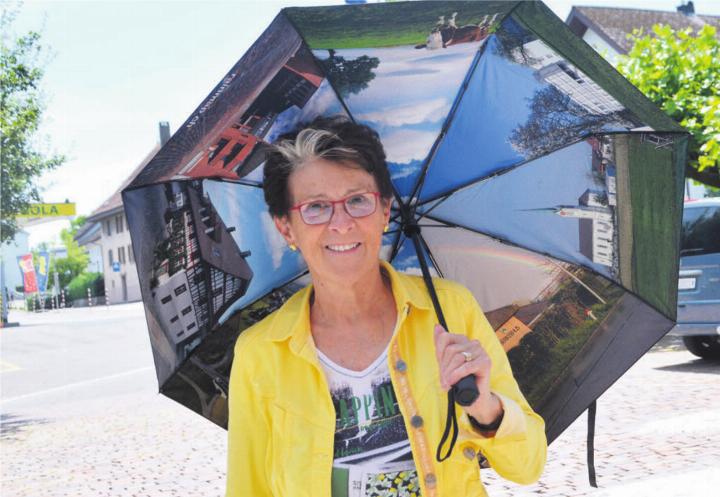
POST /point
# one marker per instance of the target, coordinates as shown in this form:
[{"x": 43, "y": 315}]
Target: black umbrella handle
[{"x": 466, "y": 391}]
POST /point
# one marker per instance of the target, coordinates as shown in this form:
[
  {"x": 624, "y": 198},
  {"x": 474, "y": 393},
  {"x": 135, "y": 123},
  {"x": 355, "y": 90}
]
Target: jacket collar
[{"x": 293, "y": 319}]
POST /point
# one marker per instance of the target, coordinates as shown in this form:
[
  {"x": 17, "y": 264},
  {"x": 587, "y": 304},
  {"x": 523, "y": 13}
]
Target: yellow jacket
[{"x": 282, "y": 420}]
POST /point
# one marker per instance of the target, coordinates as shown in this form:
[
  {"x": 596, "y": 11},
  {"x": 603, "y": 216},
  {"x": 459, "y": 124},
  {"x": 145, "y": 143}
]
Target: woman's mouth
[{"x": 342, "y": 248}]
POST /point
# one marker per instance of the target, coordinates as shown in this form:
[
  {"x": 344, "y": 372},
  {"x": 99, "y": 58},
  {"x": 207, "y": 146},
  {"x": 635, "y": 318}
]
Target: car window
[{"x": 700, "y": 231}]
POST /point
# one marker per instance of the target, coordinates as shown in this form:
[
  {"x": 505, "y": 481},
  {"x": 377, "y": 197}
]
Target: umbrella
[{"x": 524, "y": 166}]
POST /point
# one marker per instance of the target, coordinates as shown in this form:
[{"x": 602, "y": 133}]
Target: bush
[{"x": 77, "y": 288}]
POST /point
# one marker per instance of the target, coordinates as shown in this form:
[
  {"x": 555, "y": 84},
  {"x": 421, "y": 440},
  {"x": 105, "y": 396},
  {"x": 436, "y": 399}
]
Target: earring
[
  {"x": 293, "y": 247},
  {"x": 387, "y": 227}
]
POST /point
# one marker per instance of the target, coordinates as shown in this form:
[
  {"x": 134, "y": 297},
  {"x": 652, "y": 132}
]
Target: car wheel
[{"x": 705, "y": 346}]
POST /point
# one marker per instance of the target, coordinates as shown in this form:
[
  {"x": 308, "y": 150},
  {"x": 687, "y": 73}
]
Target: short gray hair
[{"x": 335, "y": 139}]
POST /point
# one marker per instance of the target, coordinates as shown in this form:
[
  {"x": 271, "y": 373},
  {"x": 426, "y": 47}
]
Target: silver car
[{"x": 698, "y": 318}]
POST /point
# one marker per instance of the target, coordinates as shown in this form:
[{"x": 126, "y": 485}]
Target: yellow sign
[
  {"x": 50, "y": 210},
  {"x": 511, "y": 332}
]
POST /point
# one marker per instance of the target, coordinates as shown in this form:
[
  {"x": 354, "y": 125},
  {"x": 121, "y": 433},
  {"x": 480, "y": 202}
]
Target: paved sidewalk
[{"x": 658, "y": 434}]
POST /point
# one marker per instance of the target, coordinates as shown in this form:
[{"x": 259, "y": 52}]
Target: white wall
[
  {"x": 601, "y": 46},
  {"x": 118, "y": 241}
]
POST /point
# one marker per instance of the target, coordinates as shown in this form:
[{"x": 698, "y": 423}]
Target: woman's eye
[
  {"x": 316, "y": 206},
  {"x": 356, "y": 200}
]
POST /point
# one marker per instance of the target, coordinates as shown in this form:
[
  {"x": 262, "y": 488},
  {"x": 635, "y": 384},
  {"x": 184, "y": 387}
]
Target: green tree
[
  {"x": 21, "y": 109},
  {"x": 77, "y": 258},
  {"x": 680, "y": 72},
  {"x": 349, "y": 76}
]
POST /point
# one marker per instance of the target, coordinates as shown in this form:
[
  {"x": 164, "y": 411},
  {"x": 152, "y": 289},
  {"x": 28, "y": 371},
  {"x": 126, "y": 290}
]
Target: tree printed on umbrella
[{"x": 349, "y": 76}]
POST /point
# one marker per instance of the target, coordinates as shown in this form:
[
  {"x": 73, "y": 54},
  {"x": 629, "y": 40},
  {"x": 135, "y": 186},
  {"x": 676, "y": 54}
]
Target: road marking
[
  {"x": 6, "y": 367},
  {"x": 76, "y": 384}
]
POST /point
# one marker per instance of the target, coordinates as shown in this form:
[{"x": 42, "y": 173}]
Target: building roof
[
  {"x": 114, "y": 204},
  {"x": 614, "y": 24},
  {"x": 89, "y": 233}
]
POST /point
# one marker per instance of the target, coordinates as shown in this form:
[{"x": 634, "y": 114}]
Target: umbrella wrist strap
[
  {"x": 451, "y": 424},
  {"x": 591, "y": 443}
]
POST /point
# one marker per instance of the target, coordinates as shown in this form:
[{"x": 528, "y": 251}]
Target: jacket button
[
  {"x": 430, "y": 480},
  {"x": 401, "y": 365},
  {"x": 416, "y": 421},
  {"x": 469, "y": 452}
]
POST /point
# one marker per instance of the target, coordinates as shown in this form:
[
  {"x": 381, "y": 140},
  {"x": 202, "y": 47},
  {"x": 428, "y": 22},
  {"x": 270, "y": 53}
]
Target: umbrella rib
[
  {"x": 430, "y": 255},
  {"x": 448, "y": 121},
  {"x": 186, "y": 180},
  {"x": 500, "y": 172},
  {"x": 451, "y": 224},
  {"x": 522, "y": 163}
]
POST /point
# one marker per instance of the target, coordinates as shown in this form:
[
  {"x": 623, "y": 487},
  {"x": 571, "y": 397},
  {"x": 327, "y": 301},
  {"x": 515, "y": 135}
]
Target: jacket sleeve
[
  {"x": 248, "y": 430},
  {"x": 518, "y": 450}
]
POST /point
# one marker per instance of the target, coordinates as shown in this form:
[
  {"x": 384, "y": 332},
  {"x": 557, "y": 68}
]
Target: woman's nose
[{"x": 340, "y": 220}]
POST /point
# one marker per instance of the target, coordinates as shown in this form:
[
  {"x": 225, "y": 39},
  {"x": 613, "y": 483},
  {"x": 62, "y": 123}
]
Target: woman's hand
[{"x": 449, "y": 349}]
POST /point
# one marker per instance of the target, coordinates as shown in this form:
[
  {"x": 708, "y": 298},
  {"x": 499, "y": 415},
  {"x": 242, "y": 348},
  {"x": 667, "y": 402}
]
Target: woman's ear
[
  {"x": 386, "y": 204},
  {"x": 282, "y": 223}
]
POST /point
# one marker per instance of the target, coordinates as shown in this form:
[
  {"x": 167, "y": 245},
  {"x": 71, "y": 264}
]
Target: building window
[
  {"x": 107, "y": 227},
  {"x": 110, "y": 259},
  {"x": 181, "y": 289},
  {"x": 166, "y": 299},
  {"x": 130, "y": 254},
  {"x": 121, "y": 255},
  {"x": 119, "y": 224}
]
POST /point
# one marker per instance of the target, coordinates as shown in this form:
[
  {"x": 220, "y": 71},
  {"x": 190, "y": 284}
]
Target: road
[{"x": 81, "y": 416}]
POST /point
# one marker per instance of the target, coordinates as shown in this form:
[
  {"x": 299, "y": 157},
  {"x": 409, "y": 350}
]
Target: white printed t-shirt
[{"x": 372, "y": 456}]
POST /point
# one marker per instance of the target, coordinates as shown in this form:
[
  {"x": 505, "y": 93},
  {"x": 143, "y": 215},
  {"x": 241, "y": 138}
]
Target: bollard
[
  {"x": 38, "y": 305},
  {"x": 62, "y": 299},
  {"x": 107, "y": 298},
  {"x": 89, "y": 293}
]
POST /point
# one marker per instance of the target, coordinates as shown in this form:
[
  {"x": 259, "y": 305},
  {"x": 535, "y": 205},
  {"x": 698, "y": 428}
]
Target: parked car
[{"x": 698, "y": 317}]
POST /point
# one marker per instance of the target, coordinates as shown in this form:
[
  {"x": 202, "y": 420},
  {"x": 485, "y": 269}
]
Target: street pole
[
  {"x": 56, "y": 291},
  {"x": 4, "y": 317}
]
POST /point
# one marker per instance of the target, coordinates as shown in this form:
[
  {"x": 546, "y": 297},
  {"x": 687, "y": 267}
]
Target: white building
[
  {"x": 606, "y": 28},
  {"x": 552, "y": 69}
]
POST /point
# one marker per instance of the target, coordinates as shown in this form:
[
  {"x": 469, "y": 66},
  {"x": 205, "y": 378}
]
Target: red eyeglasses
[{"x": 321, "y": 211}]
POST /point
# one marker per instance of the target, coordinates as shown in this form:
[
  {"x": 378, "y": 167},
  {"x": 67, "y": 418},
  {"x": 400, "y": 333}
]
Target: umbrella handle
[{"x": 465, "y": 390}]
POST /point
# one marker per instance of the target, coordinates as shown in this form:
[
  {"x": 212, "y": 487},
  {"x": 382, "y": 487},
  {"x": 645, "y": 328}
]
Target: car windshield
[{"x": 700, "y": 231}]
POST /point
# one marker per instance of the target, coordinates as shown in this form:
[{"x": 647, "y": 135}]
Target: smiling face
[{"x": 345, "y": 248}]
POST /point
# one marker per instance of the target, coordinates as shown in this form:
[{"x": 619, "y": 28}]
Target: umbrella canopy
[{"x": 525, "y": 167}]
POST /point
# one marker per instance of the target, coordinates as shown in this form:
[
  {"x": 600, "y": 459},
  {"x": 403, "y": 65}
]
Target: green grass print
[{"x": 384, "y": 25}]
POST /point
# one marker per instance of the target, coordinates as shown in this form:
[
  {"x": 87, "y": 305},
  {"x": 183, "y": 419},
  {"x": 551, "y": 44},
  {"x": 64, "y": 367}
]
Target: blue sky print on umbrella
[
  {"x": 272, "y": 262},
  {"x": 535, "y": 103},
  {"x": 406, "y": 98},
  {"x": 563, "y": 204}
]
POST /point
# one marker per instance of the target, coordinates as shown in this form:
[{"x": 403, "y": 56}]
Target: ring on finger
[{"x": 468, "y": 356}]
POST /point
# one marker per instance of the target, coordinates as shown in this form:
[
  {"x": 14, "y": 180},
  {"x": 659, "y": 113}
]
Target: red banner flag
[{"x": 28, "y": 270}]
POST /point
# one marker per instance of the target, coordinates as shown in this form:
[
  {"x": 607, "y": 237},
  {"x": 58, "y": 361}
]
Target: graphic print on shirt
[{"x": 372, "y": 455}]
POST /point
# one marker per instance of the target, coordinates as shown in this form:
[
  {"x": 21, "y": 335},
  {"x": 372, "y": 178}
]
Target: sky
[{"x": 115, "y": 69}]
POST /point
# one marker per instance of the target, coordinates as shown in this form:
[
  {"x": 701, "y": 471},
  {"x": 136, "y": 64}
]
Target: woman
[{"x": 343, "y": 390}]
